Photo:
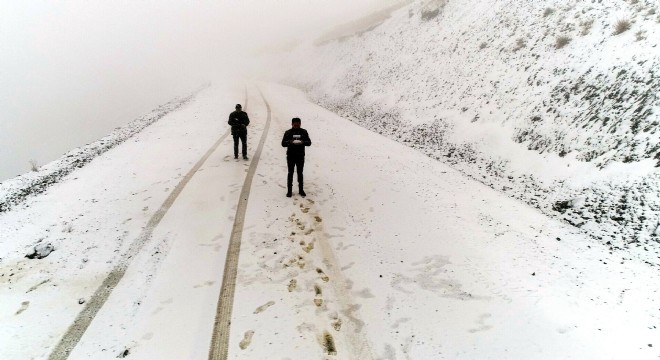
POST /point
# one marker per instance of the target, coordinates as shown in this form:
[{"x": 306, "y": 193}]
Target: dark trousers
[
  {"x": 243, "y": 138},
  {"x": 299, "y": 163}
]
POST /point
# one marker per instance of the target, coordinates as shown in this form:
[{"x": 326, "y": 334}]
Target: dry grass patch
[
  {"x": 562, "y": 41},
  {"x": 430, "y": 14},
  {"x": 520, "y": 43},
  {"x": 622, "y": 26}
]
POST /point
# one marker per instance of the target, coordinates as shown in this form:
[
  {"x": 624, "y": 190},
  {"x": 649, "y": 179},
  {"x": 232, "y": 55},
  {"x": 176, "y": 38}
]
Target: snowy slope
[
  {"x": 15, "y": 190},
  {"x": 393, "y": 255},
  {"x": 489, "y": 87}
]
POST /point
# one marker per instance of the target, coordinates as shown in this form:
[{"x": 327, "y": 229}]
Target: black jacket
[
  {"x": 238, "y": 121},
  {"x": 293, "y": 149}
]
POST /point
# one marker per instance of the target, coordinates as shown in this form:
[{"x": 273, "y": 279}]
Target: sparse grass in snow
[
  {"x": 586, "y": 27},
  {"x": 600, "y": 113},
  {"x": 621, "y": 26},
  {"x": 430, "y": 14},
  {"x": 33, "y": 165},
  {"x": 640, "y": 35},
  {"x": 562, "y": 41},
  {"x": 548, "y": 11}
]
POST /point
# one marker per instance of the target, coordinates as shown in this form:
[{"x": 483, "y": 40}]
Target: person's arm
[
  {"x": 232, "y": 120},
  {"x": 247, "y": 119},
  {"x": 306, "y": 140},
  {"x": 286, "y": 139}
]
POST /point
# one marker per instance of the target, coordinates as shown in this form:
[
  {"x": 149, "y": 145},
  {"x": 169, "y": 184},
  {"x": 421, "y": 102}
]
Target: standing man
[
  {"x": 239, "y": 121},
  {"x": 295, "y": 140}
]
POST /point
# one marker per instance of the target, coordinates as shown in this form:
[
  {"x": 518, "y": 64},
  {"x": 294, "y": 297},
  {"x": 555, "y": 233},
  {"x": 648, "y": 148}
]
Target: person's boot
[
  {"x": 235, "y": 156},
  {"x": 245, "y": 157},
  {"x": 302, "y": 192},
  {"x": 289, "y": 193}
]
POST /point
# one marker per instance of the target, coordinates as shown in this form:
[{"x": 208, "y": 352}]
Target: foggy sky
[{"x": 72, "y": 71}]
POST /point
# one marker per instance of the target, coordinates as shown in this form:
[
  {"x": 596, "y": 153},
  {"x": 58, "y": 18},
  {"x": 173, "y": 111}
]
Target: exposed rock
[{"x": 41, "y": 251}]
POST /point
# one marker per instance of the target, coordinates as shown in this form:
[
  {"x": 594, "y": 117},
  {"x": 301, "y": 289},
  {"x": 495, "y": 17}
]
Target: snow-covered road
[{"x": 392, "y": 255}]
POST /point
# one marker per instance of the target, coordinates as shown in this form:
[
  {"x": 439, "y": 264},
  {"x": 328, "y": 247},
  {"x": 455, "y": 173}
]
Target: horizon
[{"x": 77, "y": 70}]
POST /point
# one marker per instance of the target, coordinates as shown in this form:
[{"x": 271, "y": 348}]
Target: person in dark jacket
[
  {"x": 295, "y": 140},
  {"x": 239, "y": 121}
]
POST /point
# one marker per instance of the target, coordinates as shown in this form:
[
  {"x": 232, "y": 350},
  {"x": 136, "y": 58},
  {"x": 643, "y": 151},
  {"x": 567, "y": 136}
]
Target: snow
[
  {"x": 15, "y": 190},
  {"x": 395, "y": 255},
  {"x": 480, "y": 85},
  {"x": 107, "y": 203},
  {"x": 473, "y": 193}
]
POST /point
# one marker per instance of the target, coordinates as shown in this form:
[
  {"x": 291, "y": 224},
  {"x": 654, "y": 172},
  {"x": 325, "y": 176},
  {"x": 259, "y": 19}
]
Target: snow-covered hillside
[
  {"x": 15, "y": 190},
  {"x": 552, "y": 102}
]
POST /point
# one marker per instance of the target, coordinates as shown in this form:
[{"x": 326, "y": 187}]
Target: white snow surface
[{"x": 394, "y": 254}]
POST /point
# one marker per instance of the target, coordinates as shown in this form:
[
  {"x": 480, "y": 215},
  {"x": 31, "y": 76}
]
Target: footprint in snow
[
  {"x": 364, "y": 293},
  {"x": 263, "y": 307},
  {"x": 309, "y": 247},
  {"x": 482, "y": 322},
  {"x": 318, "y": 296},
  {"x": 157, "y": 310},
  {"x": 400, "y": 321},
  {"x": 346, "y": 267},
  {"x": 292, "y": 285},
  {"x": 336, "y": 324},
  {"x": 329, "y": 344},
  {"x": 324, "y": 277},
  {"x": 247, "y": 339},
  {"x": 24, "y": 306},
  {"x": 207, "y": 283}
]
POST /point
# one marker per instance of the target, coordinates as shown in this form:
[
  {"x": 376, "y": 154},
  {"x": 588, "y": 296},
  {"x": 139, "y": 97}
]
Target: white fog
[{"x": 72, "y": 71}]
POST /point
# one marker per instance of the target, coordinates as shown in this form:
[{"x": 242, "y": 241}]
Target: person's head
[
  {"x": 239, "y": 107},
  {"x": 295, "y": 123}
]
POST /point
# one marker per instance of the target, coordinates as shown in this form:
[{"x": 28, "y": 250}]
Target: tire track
[
  {"x": 75, "y": 332},
  {"x": 356, "y": 337},
  {"x": 219, "y": 348}
]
